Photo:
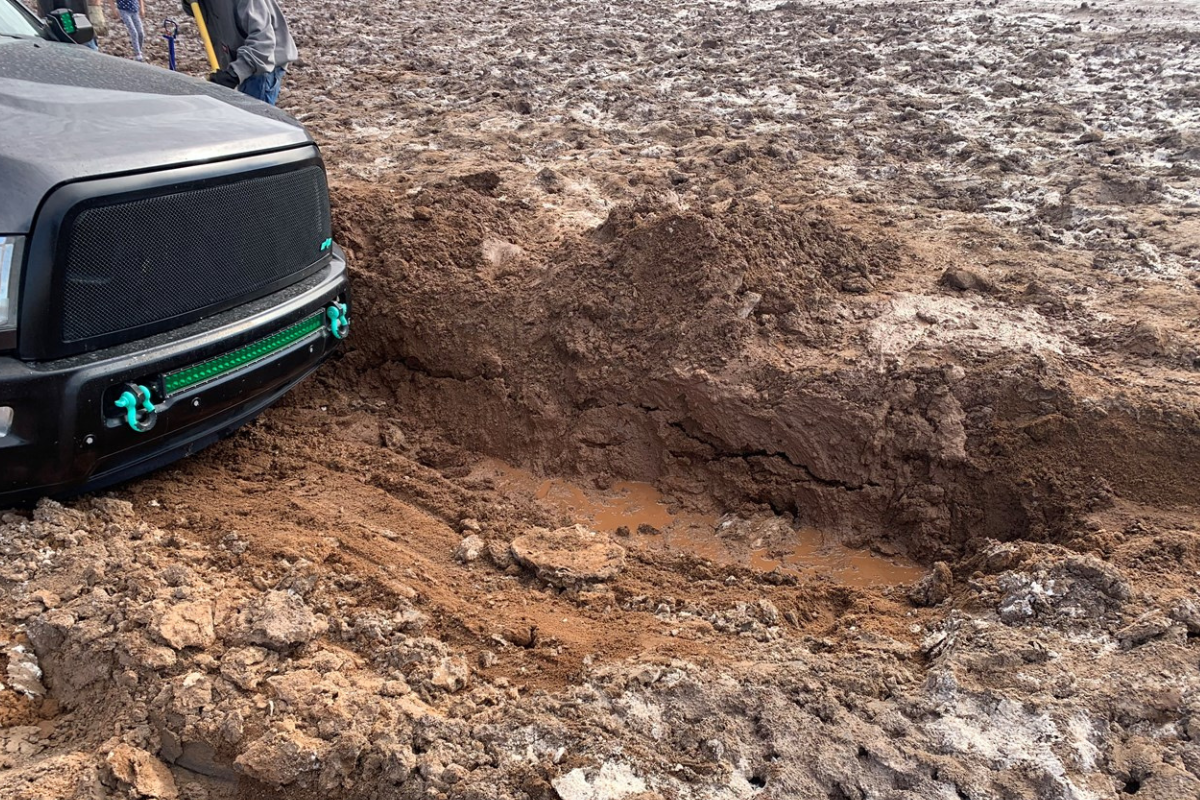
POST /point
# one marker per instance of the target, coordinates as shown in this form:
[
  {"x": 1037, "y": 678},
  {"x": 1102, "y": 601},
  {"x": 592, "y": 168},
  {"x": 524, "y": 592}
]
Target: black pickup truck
[{"x": 166, "y": 263}]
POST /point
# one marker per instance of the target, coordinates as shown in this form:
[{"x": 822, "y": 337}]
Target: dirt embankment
[{"x": 921, "y": 275}]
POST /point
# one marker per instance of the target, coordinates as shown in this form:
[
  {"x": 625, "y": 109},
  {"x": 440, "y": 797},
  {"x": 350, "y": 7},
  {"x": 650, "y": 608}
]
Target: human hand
[{"x": 225, "y": 77}]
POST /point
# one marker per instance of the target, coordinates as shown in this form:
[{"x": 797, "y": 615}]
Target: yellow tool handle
[{"x": 208, "y": 45}]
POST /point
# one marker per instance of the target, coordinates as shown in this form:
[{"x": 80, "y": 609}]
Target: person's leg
[
  {"x": 127, "y": 18},
  {"x": 141, "y": 33},
  {"x": 255, "y": 86},
  {"x": 275, "y": 84},
  {"x": 92, "y": 45},
  {"x": 264, "y": 87}
]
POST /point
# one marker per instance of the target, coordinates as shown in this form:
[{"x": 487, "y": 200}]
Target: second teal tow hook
[
  {"x": 140, "y": 413},
  {"x": 339, "y": 320}
]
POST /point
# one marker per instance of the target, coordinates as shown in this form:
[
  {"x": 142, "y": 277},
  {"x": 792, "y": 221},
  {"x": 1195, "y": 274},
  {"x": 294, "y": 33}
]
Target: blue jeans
[{"x": 264, "y": 87}]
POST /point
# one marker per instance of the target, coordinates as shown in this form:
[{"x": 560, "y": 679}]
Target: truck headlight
[{"x": 10, "y": 280}]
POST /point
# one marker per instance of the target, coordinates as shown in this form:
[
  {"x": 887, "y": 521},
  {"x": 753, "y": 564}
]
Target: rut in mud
[
  {"x": 748, "y": 356},
  {"x": 886, "y": 273}
]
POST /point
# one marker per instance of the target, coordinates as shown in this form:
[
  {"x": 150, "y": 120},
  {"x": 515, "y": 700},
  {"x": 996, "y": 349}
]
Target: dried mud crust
[{"x": 919, "y": 273}]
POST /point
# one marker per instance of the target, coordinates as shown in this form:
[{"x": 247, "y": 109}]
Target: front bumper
[{"x": 67, "y": 435}]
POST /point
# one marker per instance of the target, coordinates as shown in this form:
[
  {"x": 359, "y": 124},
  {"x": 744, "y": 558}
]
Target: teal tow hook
[
  {"x": 339, "y": 320},
  {"x": 140, "y": 413}
]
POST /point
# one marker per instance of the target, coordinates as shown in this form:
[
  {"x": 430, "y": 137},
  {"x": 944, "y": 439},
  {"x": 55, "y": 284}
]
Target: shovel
[
  {"x": 208, "y": 45},
  {"x": 170, "y": 31}
]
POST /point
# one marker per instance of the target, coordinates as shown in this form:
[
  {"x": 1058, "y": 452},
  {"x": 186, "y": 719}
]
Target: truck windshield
[{"x": 15, "y": 22}]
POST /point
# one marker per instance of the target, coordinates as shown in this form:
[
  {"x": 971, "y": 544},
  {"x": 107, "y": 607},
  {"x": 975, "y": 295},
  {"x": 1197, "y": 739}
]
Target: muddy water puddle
[{"x": 641, "y": 513}]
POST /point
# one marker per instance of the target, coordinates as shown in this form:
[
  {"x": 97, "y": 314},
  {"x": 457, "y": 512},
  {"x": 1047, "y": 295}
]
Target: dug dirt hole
[{"x": 732, "y": 358}]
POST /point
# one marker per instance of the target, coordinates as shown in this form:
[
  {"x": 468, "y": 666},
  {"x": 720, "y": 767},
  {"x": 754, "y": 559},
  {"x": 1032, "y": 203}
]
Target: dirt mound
[{"x": 654, "y": 278}]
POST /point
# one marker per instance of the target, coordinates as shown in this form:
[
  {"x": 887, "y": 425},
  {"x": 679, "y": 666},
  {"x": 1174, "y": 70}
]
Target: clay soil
[{"x": 923, "y": 276}]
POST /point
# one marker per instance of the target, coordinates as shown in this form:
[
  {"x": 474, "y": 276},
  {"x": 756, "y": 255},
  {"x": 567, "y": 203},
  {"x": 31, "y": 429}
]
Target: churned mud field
[{"x": 745, "y": 400}]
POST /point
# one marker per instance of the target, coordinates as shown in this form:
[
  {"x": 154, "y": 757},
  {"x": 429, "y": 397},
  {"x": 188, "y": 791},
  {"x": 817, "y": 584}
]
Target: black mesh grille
[{"x": 129, "y": 264}]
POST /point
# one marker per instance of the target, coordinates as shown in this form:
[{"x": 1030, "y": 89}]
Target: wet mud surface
[
  {"x": 765, "y": 542},
  {"x": 919, "y": 276}
]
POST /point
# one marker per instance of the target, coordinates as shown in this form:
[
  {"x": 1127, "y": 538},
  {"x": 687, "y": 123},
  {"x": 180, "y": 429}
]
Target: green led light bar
[{"x": 205, "y": 371}]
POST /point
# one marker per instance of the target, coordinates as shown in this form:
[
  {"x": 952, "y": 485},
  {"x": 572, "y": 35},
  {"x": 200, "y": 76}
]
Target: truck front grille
[{"x": 132, "y": 265}]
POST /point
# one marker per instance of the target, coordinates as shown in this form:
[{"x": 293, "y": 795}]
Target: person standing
[
  {"x": 131, "y": 13},
  {"x": 252, "y": 44},
  {"x": 91, "y": 8}
]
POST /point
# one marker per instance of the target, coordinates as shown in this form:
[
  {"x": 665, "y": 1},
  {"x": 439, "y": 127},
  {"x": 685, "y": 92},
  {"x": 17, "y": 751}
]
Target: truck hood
[{"x": 68, "y": 113}]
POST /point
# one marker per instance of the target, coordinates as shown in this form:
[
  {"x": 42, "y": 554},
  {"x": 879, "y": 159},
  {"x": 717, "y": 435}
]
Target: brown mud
[
  {"x": 920, "y": 276},
  {"x": 768, "y": 543}
]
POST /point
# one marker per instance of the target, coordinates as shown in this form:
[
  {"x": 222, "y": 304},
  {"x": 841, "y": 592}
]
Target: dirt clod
[
  {"x": 934, "y": 588},
  {"x": 965, "y": 280},
  {"x": 569, "y": 557},
  {"x": 186, "y": 625},
  {"x": 142, "y": 773},
  {"x": 469, "y": 549},
  {"x": 613, "y": 781},
  {"x": 281, "y": 756},
  {"x": 278, "y": 620}
]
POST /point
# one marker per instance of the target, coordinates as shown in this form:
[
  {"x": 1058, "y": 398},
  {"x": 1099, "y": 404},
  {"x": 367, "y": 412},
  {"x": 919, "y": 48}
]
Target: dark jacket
[
  {"x": 252, "y": 35},
  {"x": 46, "y": 6}
]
